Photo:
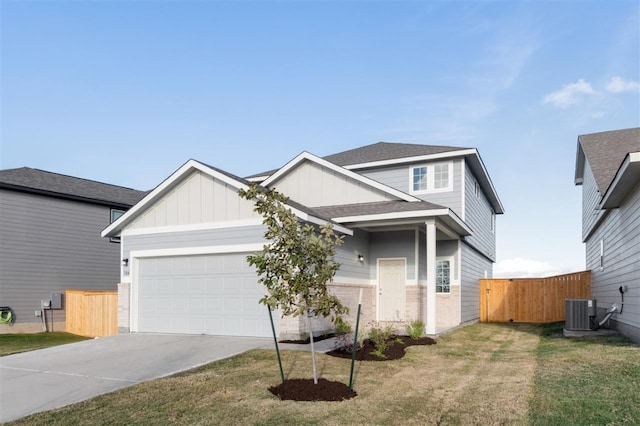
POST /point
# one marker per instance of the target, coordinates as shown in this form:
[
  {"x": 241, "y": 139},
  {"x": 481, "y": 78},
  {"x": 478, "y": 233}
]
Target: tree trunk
[{"x": 313, "y": 352}]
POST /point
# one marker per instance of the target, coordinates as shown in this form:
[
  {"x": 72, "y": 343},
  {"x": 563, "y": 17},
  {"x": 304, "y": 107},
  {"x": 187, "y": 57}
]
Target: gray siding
[
  {"x": 590, "y": 201},
  {"x": 48, "y": 245},
  {"x": 478, "y": 217},
  {"x": 201, "y": 238},
  {"x": 399, "y": 177},
  {"x": 347, "y": 256},
  {"x": 474, "y": 266},
  {"x": 393, "y": 244},
  {"x": 620, "y": 232}
]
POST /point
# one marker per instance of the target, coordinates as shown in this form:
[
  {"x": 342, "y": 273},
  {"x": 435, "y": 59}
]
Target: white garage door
[{"x": 214, "y": 294}]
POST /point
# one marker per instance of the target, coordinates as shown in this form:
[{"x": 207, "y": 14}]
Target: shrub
[
  {"x": 415, "y": 329},
  {"x": 381, "y": 339},
  {"x": 342, "y": 327}
]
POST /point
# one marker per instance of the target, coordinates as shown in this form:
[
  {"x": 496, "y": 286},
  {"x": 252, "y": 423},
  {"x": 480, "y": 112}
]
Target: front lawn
[
  {"x": 15, "y": 343},
  {"x": 481, "y": 374}
]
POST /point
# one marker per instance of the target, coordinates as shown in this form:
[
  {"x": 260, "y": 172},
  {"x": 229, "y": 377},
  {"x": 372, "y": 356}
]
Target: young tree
[{"x": 297, "y": 262}]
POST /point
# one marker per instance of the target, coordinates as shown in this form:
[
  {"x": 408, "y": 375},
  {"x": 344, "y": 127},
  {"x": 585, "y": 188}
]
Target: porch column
[{"x": 431, "y": 277}]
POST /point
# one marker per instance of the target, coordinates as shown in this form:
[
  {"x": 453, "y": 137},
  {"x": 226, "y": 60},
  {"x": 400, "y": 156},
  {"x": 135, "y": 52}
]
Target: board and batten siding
[
  {"x": 478, "y": 212},
  {"x": 199, "y": 198},
  {"x": 590, "y": 201},
  {"x": 313, "y": 185},
  {"x": 48, "y": 245},
  {"x": 620, "y": 236},
  {"x": 473, "y": 268},
  {"x": 399, "y": 177}
]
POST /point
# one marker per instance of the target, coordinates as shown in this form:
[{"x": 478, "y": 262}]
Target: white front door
[{"x": 391, "y": 289}]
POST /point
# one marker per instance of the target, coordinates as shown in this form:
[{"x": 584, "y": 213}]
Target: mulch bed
[
  {"x": 395, "y": 350},
  {"x": 306, "y": 390},
  {"x": 308, "y": 339}
]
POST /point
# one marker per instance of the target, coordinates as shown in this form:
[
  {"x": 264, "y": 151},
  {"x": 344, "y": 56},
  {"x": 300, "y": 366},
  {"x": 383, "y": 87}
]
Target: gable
[
  {"x": 315, "y": 185},
  {"x": 198, "y": 198}
]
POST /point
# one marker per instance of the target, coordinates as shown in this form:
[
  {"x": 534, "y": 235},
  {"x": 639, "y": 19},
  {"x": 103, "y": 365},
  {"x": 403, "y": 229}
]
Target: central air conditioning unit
[{"x": 580, "y": 314}]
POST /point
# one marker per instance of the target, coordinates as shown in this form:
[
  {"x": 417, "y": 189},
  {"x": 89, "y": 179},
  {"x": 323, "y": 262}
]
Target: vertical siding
[
  {"x": 474, "y": 266},
  {"x": 478, "y": 216},
  {"x": 313, "y": 185},
  {"x": 199, "y": 198},
  {"x": 620, "y": 232},
  {"x": 399, "y": 177},
  {"x": 48, "y": 245}
]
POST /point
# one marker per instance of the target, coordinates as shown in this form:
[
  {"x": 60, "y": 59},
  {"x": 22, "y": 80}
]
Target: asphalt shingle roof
[
  {"x": 386, "y": 151},
  {"x": 605, "y": 152},
  {"x": 380, "y": 207},
  {"x": 378, "y": 152},
  {"x": 54, "y": 184}
]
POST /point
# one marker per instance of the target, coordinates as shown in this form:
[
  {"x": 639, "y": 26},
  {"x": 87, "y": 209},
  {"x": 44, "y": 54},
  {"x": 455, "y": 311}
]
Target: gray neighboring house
[
  {"x": 50, "y": 240},
  {"x": 608, "y": 169},
  {"x": 418, "y": 224}
]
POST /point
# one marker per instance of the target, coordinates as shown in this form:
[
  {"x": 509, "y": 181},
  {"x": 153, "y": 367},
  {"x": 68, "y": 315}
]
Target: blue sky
[{"x": 124, "y": 92}]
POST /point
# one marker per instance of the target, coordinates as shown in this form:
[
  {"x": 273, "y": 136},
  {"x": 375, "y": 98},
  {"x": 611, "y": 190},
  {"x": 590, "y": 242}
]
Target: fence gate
[
  {"x": 536, "y": 300},
  {"x": 91, "y": 313}
]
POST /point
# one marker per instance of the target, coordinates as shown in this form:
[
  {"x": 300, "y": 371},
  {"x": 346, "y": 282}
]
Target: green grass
[
  {"x": 586, "y": 381},
  {"x": 15, "y": 343},
  {"x": 513, "y": 374}
]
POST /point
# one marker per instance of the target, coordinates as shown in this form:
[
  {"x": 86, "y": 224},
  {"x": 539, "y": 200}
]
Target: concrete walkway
[{"x": 42, "y": 380}]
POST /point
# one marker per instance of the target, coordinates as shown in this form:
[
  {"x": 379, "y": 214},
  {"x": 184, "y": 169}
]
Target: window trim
[
  {"x": 451, "y": 266},
  {"x": 112, "y": 219},
  {"x": 430, "y": 174}
]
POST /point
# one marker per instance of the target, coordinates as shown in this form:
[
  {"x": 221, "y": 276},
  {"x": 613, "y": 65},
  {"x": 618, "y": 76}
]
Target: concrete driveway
[{"x": 50, "y": 378}]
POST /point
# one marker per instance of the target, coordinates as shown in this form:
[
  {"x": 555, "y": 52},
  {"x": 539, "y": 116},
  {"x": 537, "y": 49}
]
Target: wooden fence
[
  {"x": 91, "y": 313},
  {"x": 535, "y": 300}
]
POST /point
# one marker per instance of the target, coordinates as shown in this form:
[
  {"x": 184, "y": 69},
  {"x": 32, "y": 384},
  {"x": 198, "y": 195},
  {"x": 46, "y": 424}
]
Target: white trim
[
  {"x": 404, "y": 295},
  {"x": 394, "y": 215},
  {"x": 627, "y": 172},
  {"x": 431, "y": 178},
  {"x": 306, "y": 156},
  {"x": 192, "y": 227},
  {"x": 194, "y": 251},
  {"x": 257, "y": 178},
  {"x": 463, "y": 191},
  {"x": 452, "y": 264},
  {"x": 308, "y": 218},
  {"x": 416, "y": 255},
  {"x": 448, "y": 154}
]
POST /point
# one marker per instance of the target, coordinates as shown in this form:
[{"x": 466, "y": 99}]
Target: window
[
  {"x": 493, "y": 221},
  {"x": 601, "y": 255},
  {"x": 443, "y": 276},
  {"x": 114, "y": 215},
  {"x": 440, "y": 176},
  {"x": 476, "y": 189},
  {"x": 419, "y": 178},
  {"x": 432, "y": 178}
]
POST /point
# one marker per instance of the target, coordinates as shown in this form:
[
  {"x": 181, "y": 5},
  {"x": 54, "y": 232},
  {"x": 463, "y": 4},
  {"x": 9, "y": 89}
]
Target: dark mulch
[
  {"x": 395, "y": 350},
  {"x": 308, "y": 340},
  {"x": 306, "y": 390}
]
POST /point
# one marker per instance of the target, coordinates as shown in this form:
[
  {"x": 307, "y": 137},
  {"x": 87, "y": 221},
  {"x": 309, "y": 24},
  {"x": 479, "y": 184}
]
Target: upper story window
[
  {"x": 437, "y": 177},
  {"x": 115, "y": 215},
  {"x": 493, "y": 221}
]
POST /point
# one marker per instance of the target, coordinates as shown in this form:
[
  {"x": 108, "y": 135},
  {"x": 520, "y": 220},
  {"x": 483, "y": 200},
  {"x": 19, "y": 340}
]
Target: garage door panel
[{"x": 204, "y": 294}]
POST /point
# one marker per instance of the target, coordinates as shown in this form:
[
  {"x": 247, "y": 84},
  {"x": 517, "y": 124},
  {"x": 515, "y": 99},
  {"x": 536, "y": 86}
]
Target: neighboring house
[
  {"x": 419, "y": 233},
  {"x": 50, "y": 241},
  {"x": 608, "y": 168}
]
